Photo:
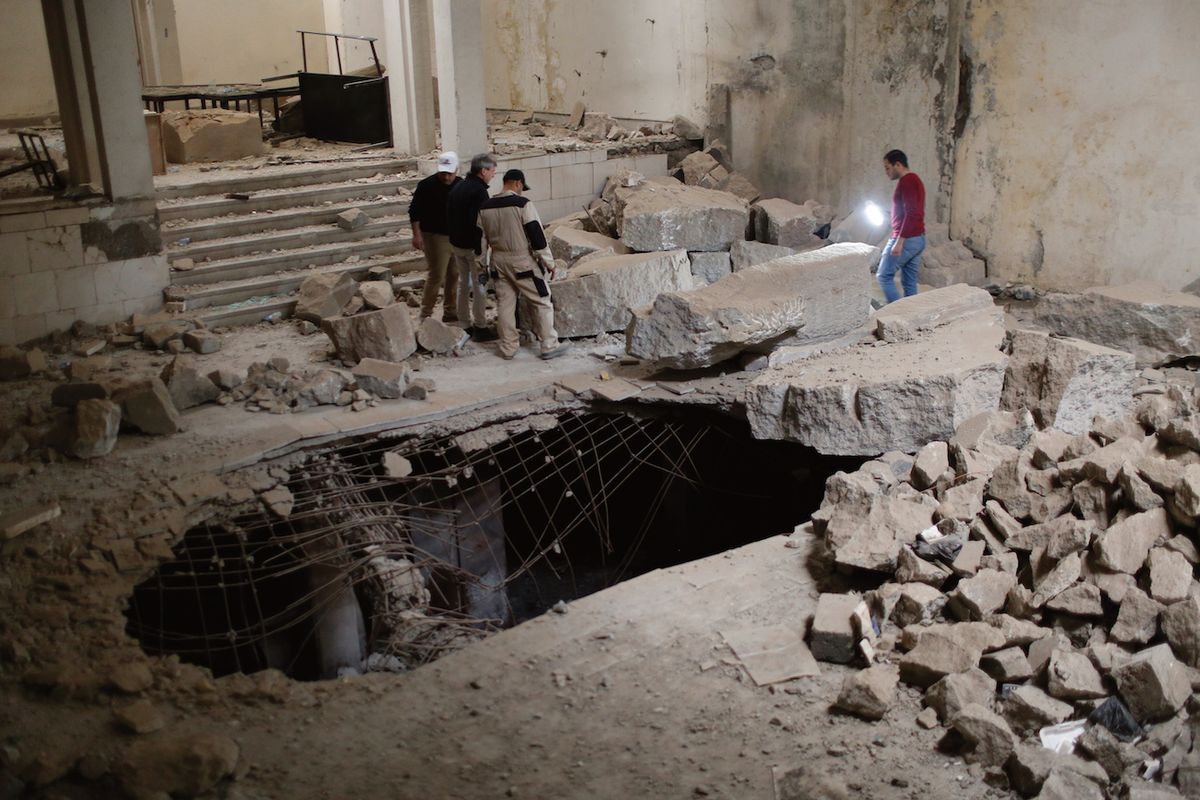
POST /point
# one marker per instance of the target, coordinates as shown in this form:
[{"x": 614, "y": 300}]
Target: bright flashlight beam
[{"x": 874, "y": 214}]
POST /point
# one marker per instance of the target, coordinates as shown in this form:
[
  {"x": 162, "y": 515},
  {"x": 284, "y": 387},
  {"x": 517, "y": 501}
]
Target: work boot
[{"x": 556, "y": 352}]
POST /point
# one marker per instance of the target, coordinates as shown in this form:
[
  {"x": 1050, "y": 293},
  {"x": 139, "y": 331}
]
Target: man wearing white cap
[{"x": 431, "y": 235}]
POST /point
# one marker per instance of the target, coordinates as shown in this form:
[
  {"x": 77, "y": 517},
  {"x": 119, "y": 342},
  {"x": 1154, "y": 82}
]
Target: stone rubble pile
[{"x": 1035, "y": 577}]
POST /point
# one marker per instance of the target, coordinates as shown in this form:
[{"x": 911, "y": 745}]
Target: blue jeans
[{"x": 907, "y": 263}]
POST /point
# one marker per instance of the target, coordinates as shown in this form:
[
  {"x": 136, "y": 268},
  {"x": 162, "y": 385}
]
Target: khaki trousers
[
  {"x": 472, "y": 296},
  {"x": 440, "y": 272},
  {"x": 517, "y": 276}
]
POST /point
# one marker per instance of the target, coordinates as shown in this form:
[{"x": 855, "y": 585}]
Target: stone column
[
  {"x": 410, "y": 66},
  {"x": 458, "y": 33},
  {"x": 65, "y": 39}
]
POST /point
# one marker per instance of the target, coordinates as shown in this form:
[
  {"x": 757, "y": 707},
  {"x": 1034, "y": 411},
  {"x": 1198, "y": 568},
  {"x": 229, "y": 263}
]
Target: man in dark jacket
[
  {"x": 465, "y": 200},
  {"x": 431, "y": 235}
]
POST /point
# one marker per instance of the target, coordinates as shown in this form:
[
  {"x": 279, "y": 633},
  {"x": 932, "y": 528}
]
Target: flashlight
[{"x": 874, "y": 214}]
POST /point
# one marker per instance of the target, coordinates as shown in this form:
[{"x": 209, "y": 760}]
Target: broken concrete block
[
  {"x": 981, "y": 596},
  {"x": 146, "y": 405},
  {"x": 419, "y": 389},
  {"x": 1126, "y": 544},
  {"x": 786, "y": 224},
  {"x": 741, "y": 186},
  {"x": 869, "y": 693},
  {"x": 381, "y": 378},
  {"x": 376, "y": 294},
  {"x": 912, "y": 568},
  {"x": 1067, "y": 382},
  {"x": 1063, "y": 784},
  {"x": 991, "y": 739},
  {"x": 1137, "y": 491},
  {"x": 1057, "y": 580},
  {"x": 743, "y": 254},
  {"x": 963, "y": 501},
  {"x": 386, "y": 334},
  {"x": 1029, "y": 708},
  {"x": 1153, "y": 684},
  {"x": 934, "y": 658},
  {"x": 599, "y": 294},
  {"x": 686, "y": 129},
  {"x": 202, "y": 342},
  {"x": 659, "y": 216},
  {"x": 966, "y": 563},
  {"x": 1181, "y": 625},
  {"x": 931, "y": 463},
  {"x": 1187, "y": 490},
  {"x": 867, "y": 400},
  {"x": 324, "y": 295},
  {"x": 696, "y": 166},
  {"x": 866, "y": 531},
  {"x": 185, "y": 383},
  {"x": 950, "y": 694},
  {"x": 908, "y": 317},
  {"x": 159, "y": 334},
  {"x": 1018, "y": 632},
  {"x": 225, "y": 379},
  {"x": 1032, "y": 764},
  {"x": 1102, "y": 465},
  {"x": 210, "y": 135},
  {"x": 1170, "y": 576},
  {"x": 1141, "y": 318},
  {"x": 974, "y": 637},
  {"x": 440, "y": 337},
  {"x": 918, "y": 602},
  {"x": 571, "y": 244},
  {"x": 322, "y": 388},
  {"x": 1007, "y": 666},
  {"x": 709, "y": 267},
  {"x": 1137, "y": 619},
  {"x": 352, "y": 219},
  {"x": 1080, "y": 600},
  {"x": 818, "y": 294},
  {"x": 97, "y": 423},
  {"x": 832, "y": 637},
  {"x": 1071, "y": 676}
]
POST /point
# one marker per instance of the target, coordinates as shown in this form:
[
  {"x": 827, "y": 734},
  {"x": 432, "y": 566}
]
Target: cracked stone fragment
[
  {"x": 1071, "y": 676},
  {"x": 1153, "y": 684},
  {"x": 983, "y": 595},
  {"x": 869, "y": 693}
]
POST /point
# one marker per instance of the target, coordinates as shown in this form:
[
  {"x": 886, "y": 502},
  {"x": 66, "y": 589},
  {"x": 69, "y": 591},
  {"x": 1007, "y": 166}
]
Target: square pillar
[
  {"x": 458, "y": 34},
  {"x": 65, "y": 38},
  {"x": 407, "y": 28}
]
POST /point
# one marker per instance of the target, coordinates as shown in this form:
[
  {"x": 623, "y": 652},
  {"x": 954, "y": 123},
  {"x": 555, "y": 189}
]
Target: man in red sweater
[{"x": 902, "y": 253}]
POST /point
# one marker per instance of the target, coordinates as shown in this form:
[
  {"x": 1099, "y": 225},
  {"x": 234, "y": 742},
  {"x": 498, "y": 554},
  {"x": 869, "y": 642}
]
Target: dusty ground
[{"x": 652, "y": 702}]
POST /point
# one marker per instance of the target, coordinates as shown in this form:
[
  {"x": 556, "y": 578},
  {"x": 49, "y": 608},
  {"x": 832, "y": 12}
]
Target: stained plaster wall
[
  {"x": 1078, "y": 165},
  {"x": 1067, "y": 158},
  {"x": 27, "y": 90}
]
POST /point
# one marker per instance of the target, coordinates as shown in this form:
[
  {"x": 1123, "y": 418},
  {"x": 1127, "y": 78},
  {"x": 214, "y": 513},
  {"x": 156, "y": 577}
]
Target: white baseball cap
[{"x": 448, "y": 162}]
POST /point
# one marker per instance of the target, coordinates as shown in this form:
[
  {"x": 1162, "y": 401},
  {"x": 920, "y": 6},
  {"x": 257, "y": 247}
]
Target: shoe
[
  {"x": 483, "y": 334},
  {"x": 556, "y": 352}
]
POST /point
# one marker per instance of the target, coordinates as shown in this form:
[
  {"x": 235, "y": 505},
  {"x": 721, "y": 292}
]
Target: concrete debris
[
  {"x": 745, "y": 254},
  {"x": 869, "y": 693},
  {"x": 213, "y": 134},
  {"x": 376, "y": 294},
  {"x": 1170, "y": 576},
  {"x": 158, "y": 335},
  {"x": 1071, "y": 676},
  {"x": 1028, "y": 708},
  {"x": 831, "y": 637},
  {"x": 1067, "y": 382},
  {"x": 696, "y": 166},
  {"x": 1153, "y": 684},
  {"x": 786, "y": 224},
  {"x": 1181, "y": 626},
  {"x": 686, "y": 129},
  {"x": 1137, "y": 618},
  {"x": 202, "y": 342},
  {"x": 97, "y": 423},
  {"x": 146, "y": 406},
  {"x": 1007, "y": 666},
  {"x": 661, "y": 216},
  {"x": 396, "y": 466},
  {"x": 386, "y": 334},
  {"x": 600, "y": 293},
  {"x": 440, "y": 337},
  {"x": 991, "y": 739},
  {"x": 918, "y": 602},
  {"x": 951, "y": 694},
  {"x": 185, "y": 383},
  {"x": 934, "y": 658},
  {"x": 21, "y": 520},
  {"x": 352, "y": 219},
  {"x": 571, "y": 244},
  {"x": 279, "y": 501},
  {"x": 324, "y": 295},
  {"x": 181, "y": 765},
  {"x": 870, "y": 399},
  {"x": 709, "y": 267},
  {"x": 1124, "y": 546},
  {"x": 816, "y": 295},
  {"x": 381, "y": 378},
  {"x": 982, "y": 595},
  {"x": 739, "y": 185},
  {"x": 946, "y": 262},
  {"x": 908, "y": 317},
  {"x": 1031, "y": 765}
]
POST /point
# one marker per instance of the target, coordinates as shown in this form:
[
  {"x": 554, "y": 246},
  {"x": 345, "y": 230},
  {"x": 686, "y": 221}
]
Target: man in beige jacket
[{"x": 513, "y": 249}]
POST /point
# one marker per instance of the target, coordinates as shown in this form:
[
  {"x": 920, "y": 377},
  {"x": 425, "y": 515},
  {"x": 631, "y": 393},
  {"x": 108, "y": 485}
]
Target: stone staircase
[{"x": 239, "y": 259}]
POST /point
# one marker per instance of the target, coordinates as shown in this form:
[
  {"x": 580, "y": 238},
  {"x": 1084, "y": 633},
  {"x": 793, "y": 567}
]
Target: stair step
[
  {"x": 266, "y": 286},
  {"x": 284, "y": 219},
  {"x": 256, "y": 310},
  {"x": 264, "y": 264},
  {"x": 192, "y": 209},
  {"x": 284, "y": 176},
  {"x": 234, "y": 247}
]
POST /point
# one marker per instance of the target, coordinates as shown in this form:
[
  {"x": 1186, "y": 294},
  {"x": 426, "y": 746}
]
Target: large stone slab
[
  {"x": 817, "y": 295},
  {"x": 946, "y": 262},
  {"x": 784, "y": 223},
  {"x": 1067, "y": 382},
  {"x": 746, "y": 254},
  {"x": 210, "y": 135},
  {"x": 868, "y": 400},
  {"x": 600, "y": 293},
  {"x": 386, "y": 334},
  {"x": 909, "y": 316},
  {"x": 1143, "y": 318},
  {"x": 662, "y": 216},
  {"x": 570, "y": 244}
]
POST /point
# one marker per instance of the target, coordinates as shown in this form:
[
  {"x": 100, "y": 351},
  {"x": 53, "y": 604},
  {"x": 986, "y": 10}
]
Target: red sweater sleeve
[{"x": 908, "y": 207}]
